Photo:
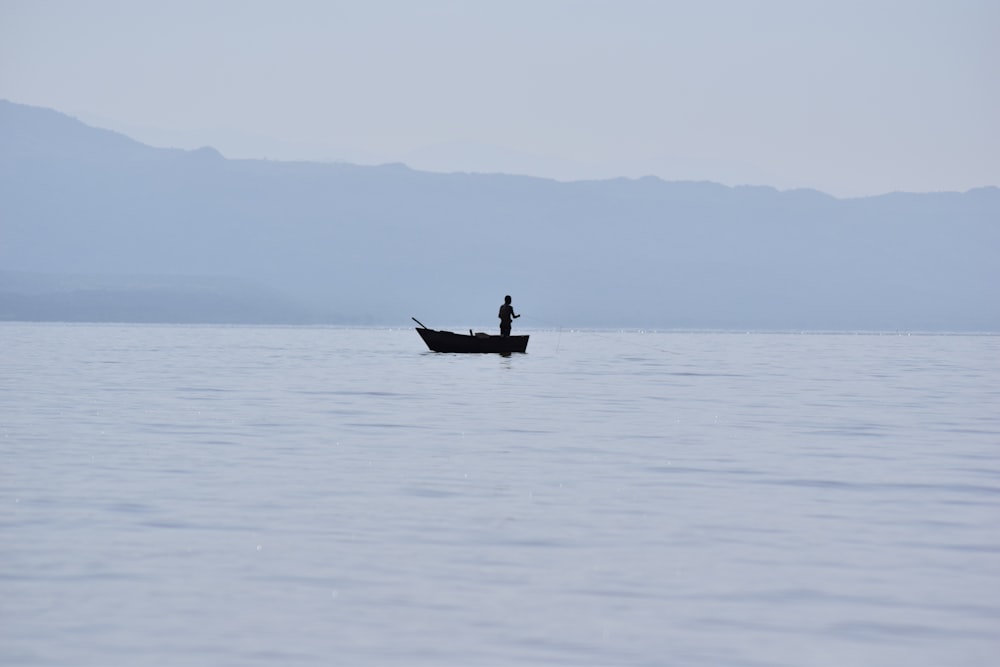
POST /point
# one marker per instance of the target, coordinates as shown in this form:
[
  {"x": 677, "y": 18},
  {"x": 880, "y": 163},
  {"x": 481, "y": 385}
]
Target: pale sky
[{"x": 851, "y": 97}]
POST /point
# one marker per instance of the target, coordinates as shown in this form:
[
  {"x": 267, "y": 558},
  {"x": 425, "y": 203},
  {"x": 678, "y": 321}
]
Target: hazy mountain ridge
[
  {"x": 351, "y": 244},
  {"x": 144, "y": 298}
]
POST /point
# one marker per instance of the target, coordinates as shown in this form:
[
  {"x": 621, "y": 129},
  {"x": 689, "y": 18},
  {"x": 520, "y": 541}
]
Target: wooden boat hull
[{"x": 447, "y": 341}]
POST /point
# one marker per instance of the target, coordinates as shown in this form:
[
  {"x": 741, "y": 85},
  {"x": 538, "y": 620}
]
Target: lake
[{"x": 204, "y": 495}]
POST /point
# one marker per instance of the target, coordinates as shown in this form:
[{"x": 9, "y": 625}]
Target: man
[{"x": 506, "y": 313}]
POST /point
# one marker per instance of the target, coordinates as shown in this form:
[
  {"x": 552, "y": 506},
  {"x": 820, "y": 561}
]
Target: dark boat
[{"x": 448, "y": 341}]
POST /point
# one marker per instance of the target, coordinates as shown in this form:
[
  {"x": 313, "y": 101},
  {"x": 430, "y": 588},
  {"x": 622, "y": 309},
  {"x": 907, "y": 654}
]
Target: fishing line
[
  {"x": 601, "y": 334},
  {"x": 558, "y": 328}
]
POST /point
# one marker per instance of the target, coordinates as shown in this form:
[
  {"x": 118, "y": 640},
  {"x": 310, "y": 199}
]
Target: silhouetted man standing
[{"x": 506, "y": 314}]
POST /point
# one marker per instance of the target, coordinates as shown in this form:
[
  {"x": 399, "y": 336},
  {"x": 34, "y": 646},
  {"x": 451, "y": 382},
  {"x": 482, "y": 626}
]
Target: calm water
[{"x": 318, "y": 496}]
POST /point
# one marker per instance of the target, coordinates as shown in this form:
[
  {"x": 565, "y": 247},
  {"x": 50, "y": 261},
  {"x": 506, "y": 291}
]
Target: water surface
[{"x": 175, "y": 495}]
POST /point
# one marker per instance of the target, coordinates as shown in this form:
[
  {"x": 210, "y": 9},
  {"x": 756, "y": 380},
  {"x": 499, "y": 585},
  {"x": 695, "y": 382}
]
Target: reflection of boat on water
[{"x": 448, "y": 341}]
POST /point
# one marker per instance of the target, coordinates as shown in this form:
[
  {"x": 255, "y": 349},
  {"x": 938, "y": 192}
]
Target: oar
[{"x": 420, "y": 323}]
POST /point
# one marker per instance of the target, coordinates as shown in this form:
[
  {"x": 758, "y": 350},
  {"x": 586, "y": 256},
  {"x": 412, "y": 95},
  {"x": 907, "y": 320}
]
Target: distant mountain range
[{"x": 97, "y": 227}]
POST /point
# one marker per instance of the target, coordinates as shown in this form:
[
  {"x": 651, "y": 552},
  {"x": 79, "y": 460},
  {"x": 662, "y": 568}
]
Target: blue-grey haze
[
  {"x": 95, "y": 226},
  {"x": 206, "y": 495}
]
